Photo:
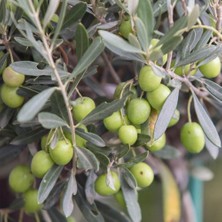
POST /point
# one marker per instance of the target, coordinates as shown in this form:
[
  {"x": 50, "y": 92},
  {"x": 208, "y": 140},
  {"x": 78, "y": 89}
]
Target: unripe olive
[
  {"x": 120, "y": 199},
  {"x": 41, "y": 163},
  {"x": 82, "y": 107},
  {"x": 158, "y": 144},
  {"x": 138, "y": 111},
  {"x": 62, "y": 153},
  {"x": 80, "y": 142},
  {"x": 192, "y": 137},
  {"x": 186, "y": 70},
  {"x": 148, "y": 80},
  {"x": 31, "y": 204},
  {"x": 10, "y": 97},
  {"x": 157, "y": 97},
  {"x": 143, "y": 174},
  {"x": 12, "y": 78},
  {"x": 212, "y": 68},
  {"x": 128, "y": 134},
  {"x": 101, "y": 186},
  {"x": 20, "y": 179},
  {"x": 113, "y": 122},
  {"x": 125, "y": 28}
]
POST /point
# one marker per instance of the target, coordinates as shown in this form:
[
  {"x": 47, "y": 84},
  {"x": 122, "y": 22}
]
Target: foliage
[{"x": 72, "y": 49}]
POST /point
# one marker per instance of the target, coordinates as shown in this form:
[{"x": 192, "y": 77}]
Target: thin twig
[
  {"x": 55, "y": 71},
  {"x": 111, "y": 69}
]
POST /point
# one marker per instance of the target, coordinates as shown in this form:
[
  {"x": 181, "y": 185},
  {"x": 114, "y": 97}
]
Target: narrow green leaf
[
  {"x": 54, "y": 195},
  {"x": 193, "y": 16},
  {"x": 166, "y": 114},
  {"x": 23, "y": 41},
  {"x": 212, "y": 148},
  {"x": 89, "y": 211},
  {"x": 6, "y": 115},
  {"x": 138, "y": 158},
  {"x": 3, "y": 61},
  {"x": 82, "y": 40},
  {"x": 31, "y": 69},
  {"x": 206, "y": 122},
  {"x": 55, "y": 215},
  {"x": 204, "y": 39},
  {"x": 213, "y": 88},
  {"x": 74, "y": 14},
  {"x": 168, "y": 153},
  {"x": 94, "y": 50},
  {"x": 58, "y": 105},
  {"x": 51, "y": 120},
  {"x": 111, "y": 214},
  {"x": 48, "y": 182},
  {"x": 113, "y": 41},
  {"x": 9, "y": 153},
  {"x": 103, "y": 110},
  {"x": 200, "y": 54},
  {"x": 28, "y": 137},
  {"x": 190, "y": 42},
  {"x": 174, "y": 31},
  {"x": 67, "y": 203},
  {"x": 2, "y": 10},
  {"x": 132, "y": 7},
  {"x": 171, "y": 44},
  {"x": 86, "y": 159},
  {"x": 91, "y": 137},
  {"x": 145, "y": 13},
  {"x": 34, "y": 105},
  {"x": 128, "y": 177},
  {"x": 141, "y": 33},
  {"x": 62, "y": 15},
  {"x": 52, "y": 7},
  {"x": 132, "y": 205}
]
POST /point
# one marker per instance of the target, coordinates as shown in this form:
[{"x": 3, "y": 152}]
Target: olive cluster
[{"x": 12, "y": 81}]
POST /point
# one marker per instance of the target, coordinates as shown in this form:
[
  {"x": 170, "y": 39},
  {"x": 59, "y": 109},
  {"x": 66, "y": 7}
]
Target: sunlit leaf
[{"x": 91, "y": 137}]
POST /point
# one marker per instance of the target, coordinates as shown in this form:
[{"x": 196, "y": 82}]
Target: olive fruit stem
[{"x": 189, "y": 108}]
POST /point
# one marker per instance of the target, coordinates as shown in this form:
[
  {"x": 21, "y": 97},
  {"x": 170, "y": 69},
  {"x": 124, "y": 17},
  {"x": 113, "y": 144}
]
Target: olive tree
[{"x": 98, "y": 99}]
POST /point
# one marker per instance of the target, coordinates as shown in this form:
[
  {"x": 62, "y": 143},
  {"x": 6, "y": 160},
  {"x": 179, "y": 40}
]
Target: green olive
[
  {"x": 148, "y": 80},
  {"x": 158, "y": 144},
  {"x": 143, "y": 174},
  {"x": 157, "y": 97},
  {"x": 101, "y": 186},
  {"x": 192, "y": 137},
  {"x": 138, "y": 111}
]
